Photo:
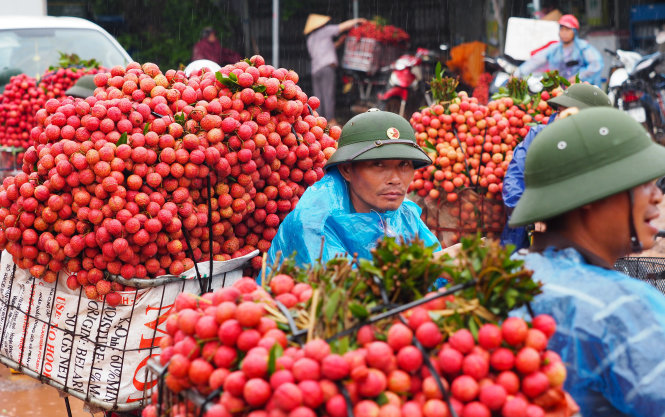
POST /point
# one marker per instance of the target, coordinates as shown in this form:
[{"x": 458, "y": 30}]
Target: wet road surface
[{"x": 22, "y": 396}]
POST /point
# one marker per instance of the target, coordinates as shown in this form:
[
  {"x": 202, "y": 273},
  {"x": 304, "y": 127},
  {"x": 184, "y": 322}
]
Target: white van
[
  {"x": 23, "y": 8},
  {"x": 31, "y": 44}
]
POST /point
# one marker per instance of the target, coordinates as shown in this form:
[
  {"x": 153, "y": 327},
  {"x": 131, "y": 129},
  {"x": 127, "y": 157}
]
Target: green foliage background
[{"x": 165, "y": 31}]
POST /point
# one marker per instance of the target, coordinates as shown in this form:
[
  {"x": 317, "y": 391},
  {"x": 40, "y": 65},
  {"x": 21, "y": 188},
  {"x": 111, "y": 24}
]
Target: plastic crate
[
  {"x": 649, "y": 269},
  {"x": 86, "y": 348},
  {"x": 367, "y": 54}
]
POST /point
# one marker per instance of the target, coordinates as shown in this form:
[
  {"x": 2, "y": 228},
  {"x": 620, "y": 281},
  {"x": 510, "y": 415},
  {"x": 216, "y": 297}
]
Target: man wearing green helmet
[
  {"x": 576, "y": 97},
  {"x": 362, "y": 196},
  {"x": 591, "y": 178}
]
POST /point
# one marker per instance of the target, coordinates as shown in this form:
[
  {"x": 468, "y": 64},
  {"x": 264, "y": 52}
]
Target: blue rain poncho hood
[
  {"x": 610, "y": 333},
  {"x": 513, "y": 187},
  {"x": 325, "y": 211}
]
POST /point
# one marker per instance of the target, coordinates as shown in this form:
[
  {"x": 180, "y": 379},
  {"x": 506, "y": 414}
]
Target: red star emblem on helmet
[{"x": 393, "y": 133}]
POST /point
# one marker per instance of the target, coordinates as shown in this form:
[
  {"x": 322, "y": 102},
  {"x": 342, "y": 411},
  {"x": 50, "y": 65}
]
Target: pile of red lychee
[{"x": 226, "y": 342}]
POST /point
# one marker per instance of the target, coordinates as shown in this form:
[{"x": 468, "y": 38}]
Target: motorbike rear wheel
[{"x": 393, "y": 105}]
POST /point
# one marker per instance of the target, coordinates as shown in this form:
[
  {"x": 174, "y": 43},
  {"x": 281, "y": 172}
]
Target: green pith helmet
[
  {"x": 375, "y": 135},
  {"x": 581, "y": 96},
  {"x": 583, "y": 158},
  {"x": 84, "y": 87}
]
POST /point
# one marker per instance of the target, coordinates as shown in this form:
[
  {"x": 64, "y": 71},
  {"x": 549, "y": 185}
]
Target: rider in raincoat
[
  {"x": 361, "y": 197},
  {"x": 580, "y": 96},
  {"x": 570, "y": 56},
  {"x": 591, "y": 178}
]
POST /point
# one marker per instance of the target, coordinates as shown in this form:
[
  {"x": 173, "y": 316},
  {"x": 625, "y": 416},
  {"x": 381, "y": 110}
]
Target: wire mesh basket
[
  {"x": 649, "y": 269},
  {"x": 191, "y": 402},
  {"x": 171, "y": 403},
  {"x": 368, "y": 55},
  {"x": 85, "y": 347},
  {"x": 471, "y": 213}
]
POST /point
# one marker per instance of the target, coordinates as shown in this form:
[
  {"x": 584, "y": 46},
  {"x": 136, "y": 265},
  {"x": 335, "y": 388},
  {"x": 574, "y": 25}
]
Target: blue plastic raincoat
[
  {"x": 610, "y": 333},
  {"x": 325, "y": 211},
  {"x": 589, "y": 62},
  {"x": 513, "y": 187}
]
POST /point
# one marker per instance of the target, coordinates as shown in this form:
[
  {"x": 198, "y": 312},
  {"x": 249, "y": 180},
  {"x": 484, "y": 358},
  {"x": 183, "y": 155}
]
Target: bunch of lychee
[
  {"x": 157, "y": 171},
  {"x": 24, "y": 96},
  {"x": 226, "y": 343}
]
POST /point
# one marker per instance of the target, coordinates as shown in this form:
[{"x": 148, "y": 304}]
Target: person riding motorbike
[
  {"x": 209, "y": 47},
  {"x": 580, "y": 96},
  {"x": 591, "y": 177},
  {"x": 361, "y": 198},
  {"x": 570, "y": 57}
]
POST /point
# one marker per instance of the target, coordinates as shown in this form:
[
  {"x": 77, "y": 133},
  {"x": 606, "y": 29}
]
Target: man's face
[
  {"x": 377, "y": 185},
  {"x": 566, "y": 34},
  {"x": 646, "y": 198},
  {"x": 612, "y": 213}
]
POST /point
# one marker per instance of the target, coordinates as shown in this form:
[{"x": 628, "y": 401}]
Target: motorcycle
[
  {"x": 402, "y": 83},
  {"x": 635, "y": 87},
  {"x": 501, "y": 68}
]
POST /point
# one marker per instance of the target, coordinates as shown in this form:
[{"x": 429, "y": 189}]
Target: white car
[{"x": 31, "y": 44}]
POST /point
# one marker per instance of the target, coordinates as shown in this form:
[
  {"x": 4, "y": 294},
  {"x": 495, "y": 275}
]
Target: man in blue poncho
[
  {"x": 571, "y": 56},
  {"x": 591, "y": 178},
  {"x": 362, "y": 196}
]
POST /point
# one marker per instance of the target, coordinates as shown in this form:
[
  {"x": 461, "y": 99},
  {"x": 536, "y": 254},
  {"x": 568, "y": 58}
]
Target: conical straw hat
[{"x": 315, "y": 21}]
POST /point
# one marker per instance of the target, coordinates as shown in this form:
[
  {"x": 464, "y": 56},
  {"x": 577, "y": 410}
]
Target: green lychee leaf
[
  {"x": 146, "y": 128},
  {"x": 229, "y": 83},
  {"x": 473, "y": 327},
  {"x": 382, "y": 399},
  {"x": 332, "y": 304},
  {"x": 122, "y": 140},
  {"x": 358, "y": 311},
  {"x": 275, "y": 352},
  {"x": 259, "y": 88},
  {"x": 429, "y": 146},
  {"x": 381, "y": 336},
  {"x": 511, "y": 296},
  {"x": 283, "y": 327},
  {"x": 341, "y": 345}
]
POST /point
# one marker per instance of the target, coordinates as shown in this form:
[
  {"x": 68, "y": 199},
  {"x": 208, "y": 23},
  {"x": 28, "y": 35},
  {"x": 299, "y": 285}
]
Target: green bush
[{"x": 164, "y": 32}]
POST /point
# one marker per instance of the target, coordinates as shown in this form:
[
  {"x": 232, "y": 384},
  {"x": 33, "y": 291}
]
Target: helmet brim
[
  {"x": 385, "y": 151},
  {"x": 566, "y": 101},
  {"x": 547, "y": 201},
  {"x": 78, "y": 91}
]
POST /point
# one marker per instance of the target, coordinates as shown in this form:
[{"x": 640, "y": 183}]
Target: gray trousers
[{"x": 323, "y": 83}]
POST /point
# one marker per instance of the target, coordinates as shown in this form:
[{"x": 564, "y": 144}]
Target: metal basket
[
  {"x": 171, "y": 404},
  {"x": 368, "y": 55},
  {"x": 649, "y": 269},
  {"x": 473, "y": 212},
  {"x": 84, "y": 347}
]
